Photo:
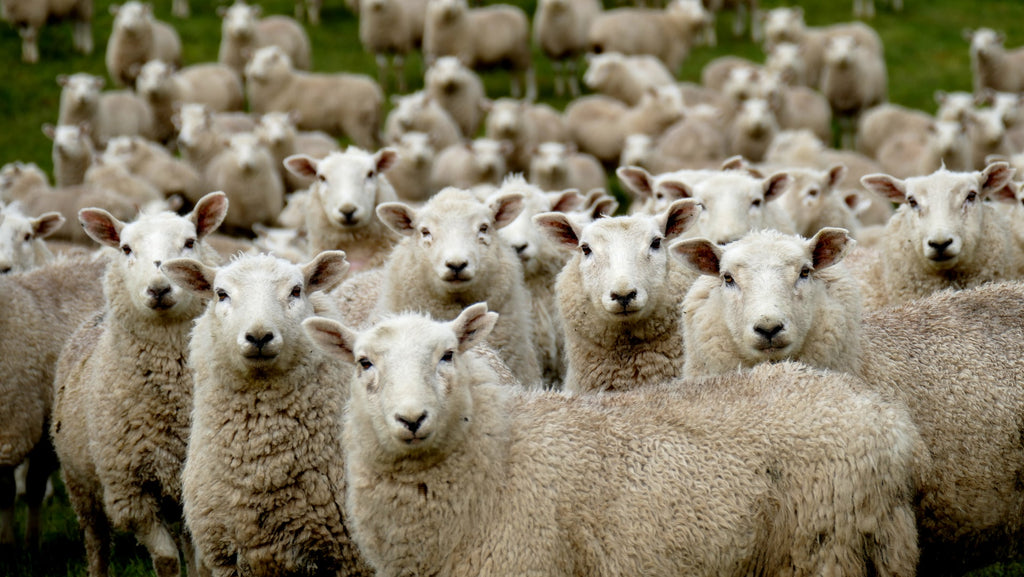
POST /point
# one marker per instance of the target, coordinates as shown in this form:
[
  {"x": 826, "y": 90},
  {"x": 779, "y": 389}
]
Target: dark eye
[
  {"x": 365, "y": 363},
  {"x": 296, "y": 291},
  {"x": 756, "y": 203},
  {"x": 812, "y": 192},
  {"x": 321, "y": 178},
  {"x": 727, "y": 278},
  {"x": 222, "y": 295},
  {"x": 447, "y": 356},
  {"x": 190, "y": 243},
  {"x": 656, "y": 243},
  {"x": 585, "y": 249},
  {"x": 805, "y": 272},
  {"x": 424, "y": 233},
  {"x": 912, "y": 202},
  {"x": 484, "y": 228},
  {"x": 28, "y": 236},
  {"x": 971, "y": 196},
  {"x": 127, "y": 250},
  {"x": 369, "y": 174}
]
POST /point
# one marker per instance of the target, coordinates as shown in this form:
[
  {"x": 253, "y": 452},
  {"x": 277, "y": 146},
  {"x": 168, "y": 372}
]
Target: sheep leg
[
  {"x": 382, "y": 69},
  {"x": 399, "y": 67},
  {"x": 299, "y": 5},
  {"x": 574, "y": 82},
  {"x": 29, "y": 46},
  {"x": 7, "y": 496},
  {"x": 739, "y": 20},
  {"x": 180, "y": 8},
  {"x": 756, "y": 32},
  {"x": 82, "y": 37},
  {"x": 162, "y": 549},
  {"x": 515, "y": 89},
  {"x": 559, "y": 73},
  {"x": 313, "y": 11},
  {"x": 897, "y": 5},
  {"x": 42, "y": 463},
  {"x": 531, "y": 83}
]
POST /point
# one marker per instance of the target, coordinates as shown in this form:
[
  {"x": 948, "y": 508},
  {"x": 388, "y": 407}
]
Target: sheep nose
[
  {"x": 520, "y": 247},
  {"x": 348, "y": 214},
  {"x": 158, "y": 292},
  {"x": 624, "y": 299},
  {"x": 940, "y": 246},
  {"x": 413, "y": 424},
  {"x": 769, "y": 331},
  {"x": 259, "y": 341},
  {"x": 157, "y": 263},
  {"x": 5, "y": 268},
  {"x": 456, "y": 267}
]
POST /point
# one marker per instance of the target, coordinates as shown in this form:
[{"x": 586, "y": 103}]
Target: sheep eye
[
  {"x": 296, "y": 291},
  {"x": 971, "y": 196},
  {"x": 369, "y": 175},
  {"x": 365, "y": 363},
  {"x": 321, "y": 178},
  {"x": 190, "y": 243},
  {"x": 127, "y": 250},
  {"x": 812, "y": 192},
  {"x": 805, "y": 272},
  {"x": 912, "y": 202},
  {"x": 656, "y": 243},
  {"x": 585, "y": 249},
  {"x": 484, "y": 228},
  {"x": 424, "y": 233},
  {"x": 28, "y": 236},
  {"x": 756, "y": 203},
  {"x": 222, "y": 295},
  {"x": 447, "y": 356},
  {"x": 727, "y": 278}
]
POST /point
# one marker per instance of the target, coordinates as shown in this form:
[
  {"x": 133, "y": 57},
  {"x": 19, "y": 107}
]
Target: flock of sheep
[{"x": 432, "y": 353}]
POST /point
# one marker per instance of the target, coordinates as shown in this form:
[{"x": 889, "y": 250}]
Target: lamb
[
  {"x": 391, "y": 28},
  {"x": 247, "y": 173},
  {"x": 339, "y": 104},
  {"x": 235, "y": 472},
  {"x": 942, "y": 144},
  {"x": 22, "y": 244},
  {"x": 153, "y": 163},
  {"x": 109, "y": 114},
  {"x": 342, "y": 202},
  {"x": 563, "y": 504},
  {"x": 942, "y": 236},
  {"x": 557, "y": 166},
  {"x": 814, "y": 201},
  {"x": 467, "y": 165},
  {"x": 666, "y": 34},
  {"x": 786, "y": 61},
  {"x": 992, "y": 65},
  {"x": 278, "y": 132},
  {"x": 625, "y": 78},
  {"x": 853, "y": 79},
  {"x": 243, "y": 33},
  {"x": 41, "y": 309},
  {"x": 72, "y": 152},
  {"x": 410, "y": 176},
  {"x": 599, "y": 125},
  {"x": 525, "y": 125},
  {"x": 953, "y": 105},
  {"x": 619, "y": 298},
  {"x": 451, "y": 256},
  {"x": 214, "y": 85},
  {"x": 418, "y": 112},
  {"x": 560, "y": 29},
  {"x": 459, "y": 91},
  {"x": 123, "y": 389},
  {"x": 29, "y": 16},
  {"x": 137, "y": 38},
  {"x": 966, "y": 509},
  {"x": 488, "y": 36}
]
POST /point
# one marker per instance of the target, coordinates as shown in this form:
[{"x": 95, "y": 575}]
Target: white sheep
[
  {"x": 992, "y": 65},
  {"x": 29, "y": 16},
  {"x": 942, "y": 236},
  {"x": 526, "y": 126},
  {"x": 72, "y": 154},
  {"x": 452, "y": 255},
  {"x": 619, "y": 298},
  {"x": 701, "y": 139},
  {"x": 137, "y": 38},
  {"x": 418, "y": 112},
  {"x": 786, "y": 61},
  {"x": 560, "y": 29},
  {"x": 22, "y": 244},
  {"x": 753, "y": 129},
  {"x": 966, "y": 414},
  {"x": 653, "y": 193},
  {"x": 599, "y": 124},
  {"x": 279, "y": 133},
  {"x": 265, "y": 394},
  {"x": 410, "y": 176},
  {"x": 625, "y": 78},
  {"x": 116, "y": 178},
  {"x": 155, "y": 164},
  {"x": 341, "y": 211},
  {"x": 202, "y": 135},
  {"x": 287, "y": 243},
  {"x": 214, "y": 85},
  {"x": 556, "y": 166},
  {"x": 813, "y": 201},
  {"x": 886, "y": 120},
  {"x": 481, "y": 161},
  {"x": 123, "y": 388},
  {"x": 853, "y": 79},
  {"x": 247, "y": 173},
  {"x": 109, "y": 114},
  {"x": 391, "y": 28},
  {"x": 798, "y": 107},
  {"x": 339, "y": 104},
  {"x": 523, "y": 483},
  {"x": 953, "y": 105},
  {"x": 988, "y": 135},
  {"x": 665, "y": 33},
  {"x": 458, "y": 90},
  {"x": 243, "y": 33},
  {"x": 942, "y": 144},
  {"x": 487, "y": 36}
]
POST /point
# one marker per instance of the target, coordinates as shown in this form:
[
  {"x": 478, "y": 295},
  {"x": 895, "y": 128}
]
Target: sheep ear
[
  {"x": 558, "y": 227},
  {"x": 209, "y": 212},
  {"x": 222, "y": 10},
  {"x": 996, "y": 176},
  {"x": 836, "y": 174},
  {"x": 473, "y": 325},
  {"x": 775, "y": 185},
  {"x": 506, "y": 208},
  {"x": 1007, "y": 194},
  {"x": 636, "y": 179},
  {"x": 302, "y": 165},
  {"x": 101, "y": 226},
  {"x": 700, "y": 254},
  {"x": 676, "y": 189},
  {"x": 892, "y": 188},
  {"x": 565, "y": 201},
  {"x": 63, "y": 79},
  {"x": 326, "y": 271},
  {"x": 50, "y": 131},
  {"x": 603, "y": 207},
  {"x": 46, "y": 224},
  {"x": 115, "y": 8},
  {"x": 385, "y": 159},
  {"x": 679, "y": 217},
  {"x": 829, "y": 246},
  {"x": 397, "y": 216},
  {"x": 190, "y": 275},
  {"x": 967, "y": 34},
  {"x": 331, "y": 337}
]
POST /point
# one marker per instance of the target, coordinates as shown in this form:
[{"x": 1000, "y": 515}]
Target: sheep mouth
[
  {"x": 942, "y": 257},
  {"x": 161, "y": 304},
  {"x": 772, "y": 347},
  {"x": 259, "y": 355},
  {"x": 456, "y": 279}
]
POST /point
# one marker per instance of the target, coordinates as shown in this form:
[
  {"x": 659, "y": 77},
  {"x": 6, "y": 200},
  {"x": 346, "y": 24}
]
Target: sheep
[
  {"x": 22, "y": 244},
  {"x": 992, "y": 65},
  {"x": 41, "y": 307},
  {"x": 745, "y": 9},
  {"x": 666, "y": 34},
  {"x": 866, "y": 8},
  {"x": 123, "y": 388},
  {"x": 639, "y": 150},
  {"x": 311, "y": 9},
  {"x": 214, "y": 85},
  {"x": 287, "y": 243},
  {"x": 115, "y": 178},
  {"x": 452, "y": 255},
  {"x": 715, "y": 73},
  {"x": 250, "y": 333},
  {"x": 202, "y": 134},
  {"x": 753, "y": 129},
  {"x": 565, "y": 503},
  {"x": 342, "y": 202},
  {"x": 153, "y": 163},
  {"x": 619, "y": 298},
  {"x": 953, "y": 105},
  {"x": 488, "y": 36},
  {"x": 137, "y": 38},
  {"x": 247, "y": 173},
  {"x": 29, "y": 16},
  {"x": 109, "y": 114},
  {"x": 942, "y": 236},
  {"x": 625, "y": 78},
  {"x": 467, "y": 165},
  {"x": 967, "y": 416},
  {"x": 525, "y": 125},
  {"x": 339, "y": 104},
  {"x": 419, "y": 112},
  {"x": 557, "y": 166},
  {"x": 243, "y": 33},
  {"x": 599, "y": 125},
  {"x": 19, "y": 181},
  {"x": 277, "y": 131},
  {"x": 884, "y": 121},
  {"x": 410, "y": 176},
  {"x": 853, "y": 79},
  {"x": 72, "y": 152},
  {"x": 943, "y": 144},
  {"x": 391, "y": 28},
  {"x": 459, "y": 91},
  {"x": 786, "y": 61},
  {"x": 560, "y": 29},
  {"x": 813, "y": 201},
  {"x": 987, "y": 132},
  {"x": 798, "y": 107},
  {"x": 698, "y": 140}
]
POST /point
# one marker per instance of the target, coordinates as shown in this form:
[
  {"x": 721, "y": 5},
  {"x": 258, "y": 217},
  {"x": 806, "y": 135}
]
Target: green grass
[{"x": 924, "y": 52}]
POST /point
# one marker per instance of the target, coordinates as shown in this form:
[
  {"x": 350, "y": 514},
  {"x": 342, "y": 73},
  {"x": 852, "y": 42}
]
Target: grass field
[{"x": 924, "y": 52}]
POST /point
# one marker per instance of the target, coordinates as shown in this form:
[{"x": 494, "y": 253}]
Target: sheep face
[
  {"x": 1008, "y": 106},
  {"x": 153, "y": 79},
  {"x": 525, "y": 237},
  {"x": 240, "y": 21},
  {"x": 447, "y": 76},
  {"x": 985, "y": 42},
  {"x": 249, "y": 153},
  {"x": 20, "y": 176},
  {"x": 505, "y": 120},
  {"x": 415, "y": 148},
  {"x": 134, "y": 18},
  {"x": 80, "y": 90},
  {"x": 786, "y": 61},
  {"x": 192, "y": 120},
  {"x": 988, "y": 127},
  {"x": 408, "y": 108},
  {"x": 841, "y": 51},
  {"x": 767, "y": 287},
  {"x": 456, "y": 234},
  {"x": 72, "y": 141},
  {"x": 949, "y": 142},
  {"x": 742, "y": 84},
  {"x": 637, "y": 151},
  {"x": 148, "y": 242},
  {"x": 953, "y": 106},
  {"x": 447, "y": 11},
  {"x": 348, "y": 184},
  {"x": 550, "y": 162},
  {"x": 266, "y": 64},
  {"x": 276, "y": 128},
  {"x": 808, "y": 193},
  {"x": 734, "y": 203},
  {"x": 943, "y": 211},
  {"x": 21, "y": 239},
  {"x": 783, "y": 25},
  {"x": 489, "y": 158},
  {"x": 409, "y": 400},
  {"x": 600, "y": 67},
  {"x": 756, "y": 119},
  {"x": 257, "y": 305}
]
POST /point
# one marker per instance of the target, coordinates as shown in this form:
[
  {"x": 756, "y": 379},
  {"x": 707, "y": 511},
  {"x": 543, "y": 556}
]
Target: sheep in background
[
  {"x": 786, "y": 61},
  {"x": 797, "y": 107},
  {"x": 753, "y": 129},
  {"x": 987, "y": 132},
  {"x": 666, "y": 33},
  {"x": 411, "y": 174},
  {"x": 202, "y": 135},
  {"x": 136, "y": 39},
  {"x": 157, "y": 166},
  {"x": 481, "y": 161},
  {"x": 887, "y": 120},
  {"x": 992, "y": 65},
  {"x": 419, "y": 112},
  {"x": 942, "y": 144},
  {"x": 556, "y": 166},
  {"x": 560, "y": 29},
  {"x": 625, "y": 78},
  {"x": 745, "y": 10},
  {"x": 525, "y": 125},
  {"x": 29, "y": 16},
  {"x": 116, "y": 178},
  {"x": 853, "y": 79},
  {"x": 214, "y": 85},
  {"x": 72, "y": 152},
  {"x": 109, "y": 114},
  {"x": 458, "y": 90},
  {"x": 391, "y": 28},
  {"x": 700, "y": 139},
  {"x": 599, "y": 124},
  {"x": 953, "y": 105},
  {"x": 278, "y": 132},
  {"x": 243, "y": 33},
  {"x": 813, "y": 201},
  {"x": 22, "y": 244},
  {"x": 247, "y": 173}
]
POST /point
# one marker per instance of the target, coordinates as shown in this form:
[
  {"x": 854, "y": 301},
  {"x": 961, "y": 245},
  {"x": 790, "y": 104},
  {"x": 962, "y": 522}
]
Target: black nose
[
  {"x": 457, "y": 267},
  {"x": 521, "y": 247},
  {"x": 158, "y": 292},
  {"x": 940, "y": 247},
  {"x": 412, "y": 424},
  {"x": 769, "y": 331},
  {"x": 349, "y": 215},
  {"x": 625, "y": 299},
  {"x": 6, "y": 269},
  {"x": 259, "y": 341}
]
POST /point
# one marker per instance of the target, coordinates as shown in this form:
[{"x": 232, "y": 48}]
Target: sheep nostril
[
  {"x": 769, "y": 332},
  {"x": 259, "y": 341},
  {"x": 457, "y": 267},
  {"x": 624, "y": 299},
  {"x": 413, "y": 424},
  {"x": 520, "y": 248}
]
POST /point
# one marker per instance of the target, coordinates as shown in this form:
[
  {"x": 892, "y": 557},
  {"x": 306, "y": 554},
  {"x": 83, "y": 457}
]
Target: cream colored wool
[
  {"x": 560, "y": 29},
  {"x": 23, "y": 239},
  {"x": 118, "y": 179},
  {"x": 124, "y": 389},
  {"x": 526, "y": 126},
  {"x": 992, "y": 65},
  {"x": 110, "y": 113},
  {"x": 29, "y": 16},
  {"x": 458, "y": 90},
  {"x": 813, "y": 201},
  {"x": 780, "y": 471},
  {"x": 619, "y": 297},
  {"x": 156, "y": 165},
  {"x": 264, "y": 477},
  {"x": 599, "y": 124},
  {"x": 214, "y": 85},
  {"x": 136, "y": 38},
  {"x": 247, "y": 172},
  {"x": 243, "y": 32},
  {"x": 390, "y": 30}
]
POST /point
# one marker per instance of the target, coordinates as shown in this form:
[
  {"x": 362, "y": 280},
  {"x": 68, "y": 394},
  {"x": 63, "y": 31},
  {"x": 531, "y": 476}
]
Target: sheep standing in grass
[
  {"x": 123, "y": 389},
  {"x": 214, "y": 85},
  {"x": 560, "y": 29},
  {"x": 666, "y": 33},
  {"x": 341, "y": 213},
  {"x": 941, "y": 144},
  {"x": 136, "y": 39},
  {"x": 266, "y": 430},
  {"x": 525, "y": 125},
  {"x": 247, "y": 172},
  {"x": 391, "y": 28},
  {"x": 202, "y": 135},
  {"x": 458, "y": 90},
  {"x": 243, "y": 33},
  {"x": 467, "y": 165},
  {"x": 29, "y": 16},
  {"x": 109, "y": 114},
  {"x": 451, "y": 474},
  {"x": 625, "y": 78},
  {"x": 453, "y": 256},
  {"x": 557, "y": 166},
  {"x": 853, "y": 79},
  {"x": 410, "y": 176},
  {"x": 619, "y": 298},
  {"x": 968, "y": 506},
  {"x": 339, "y": 104},
  {"x": 992, "y": 65},
  {"x": 942, "y": 236},
  {"x": 22, "y": 244},
  {"x": 72, "y": 152}
]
